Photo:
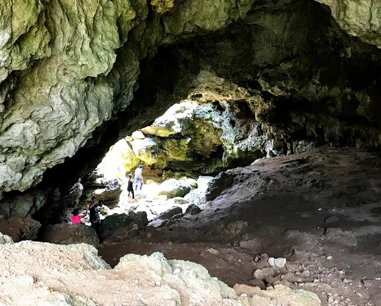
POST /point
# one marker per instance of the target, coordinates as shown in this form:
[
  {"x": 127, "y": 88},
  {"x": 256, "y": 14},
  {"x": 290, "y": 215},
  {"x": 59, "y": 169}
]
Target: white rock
[
  {"x": 137, "y": 135},
  {"x": 271, "y": 261},
  {"x": 280, "y": 262}
]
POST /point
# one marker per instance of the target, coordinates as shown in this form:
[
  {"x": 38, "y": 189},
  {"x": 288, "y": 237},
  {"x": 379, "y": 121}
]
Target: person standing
[
  {"x": 130, "y": 187},
  {"x": 94, "y": 214},
  {"x": 139, "y": 177}
]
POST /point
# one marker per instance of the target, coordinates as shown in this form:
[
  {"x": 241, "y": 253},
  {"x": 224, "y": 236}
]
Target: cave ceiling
[{"x": 77, "y": 75}]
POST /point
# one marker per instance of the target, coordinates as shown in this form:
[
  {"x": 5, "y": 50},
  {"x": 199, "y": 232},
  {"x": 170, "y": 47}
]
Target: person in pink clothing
[{"x": 76, "y": 218}]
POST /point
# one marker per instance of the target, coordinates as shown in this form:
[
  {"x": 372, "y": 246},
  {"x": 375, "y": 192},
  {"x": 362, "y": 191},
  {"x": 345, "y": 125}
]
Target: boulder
[
  {"x": 170, "y": 213},
  {"x": 20, "y": 228},
  {"x": 5, "y": 239},
  {"x": 197, "y": 196},
  {"x": 137, "y": 135},
  {"x": 222, "y": 182},
  {"x": 121, "y": 224},
  {"x": 69, "y": 234},
  {"x": 174, "y": 188},
  {"x": 193, "y": 209}
]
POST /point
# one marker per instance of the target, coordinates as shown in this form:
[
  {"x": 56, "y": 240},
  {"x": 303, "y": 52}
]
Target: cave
[{"x": 273, "y": 102}]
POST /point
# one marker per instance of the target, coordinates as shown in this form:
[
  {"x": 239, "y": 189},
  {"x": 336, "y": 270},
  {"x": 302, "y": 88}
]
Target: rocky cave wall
[{"x": 75, "y": 76}]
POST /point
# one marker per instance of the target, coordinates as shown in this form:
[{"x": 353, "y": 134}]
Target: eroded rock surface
[
  {"x": 150, "y": 280},
  {"x": 71, "y": 78},
  {"x": 69, "y": 234}
]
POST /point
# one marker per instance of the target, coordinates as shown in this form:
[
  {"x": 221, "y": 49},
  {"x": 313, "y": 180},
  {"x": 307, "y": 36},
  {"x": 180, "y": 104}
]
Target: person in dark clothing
[
  {"x": 94, "y": 214},
  {"x": 130, "y": 187}
]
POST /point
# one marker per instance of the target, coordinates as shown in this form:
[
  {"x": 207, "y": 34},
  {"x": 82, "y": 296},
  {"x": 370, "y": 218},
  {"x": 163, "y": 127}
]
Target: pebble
[
  {"x": 280, "y": 262},
  {"x": 271, "y": 261},
  {"x": 329, "y": 257}
]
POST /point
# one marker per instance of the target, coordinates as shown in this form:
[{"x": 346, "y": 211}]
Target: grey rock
[
  {"x": 264, "y": 273},
  {"x": 179, "y": 200},
  {"x": 170, "y": 213},
  {"x": 69, "y": 234},
  {"x": 174, "y": 188},
  {"x": 193, "y": 209}
]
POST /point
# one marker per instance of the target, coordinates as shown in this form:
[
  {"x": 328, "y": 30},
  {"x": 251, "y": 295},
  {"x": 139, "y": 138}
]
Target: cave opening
[{"x": 255, "y": 138}]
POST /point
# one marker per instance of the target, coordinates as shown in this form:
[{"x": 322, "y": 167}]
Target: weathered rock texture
[
  {"x": 69, "y": 234},
  {"x": 62, "y": 77},
  {"x": 75, "y": 275},
  {"x": 68, "y": 70},
  {"x": 20, "y": 228}
]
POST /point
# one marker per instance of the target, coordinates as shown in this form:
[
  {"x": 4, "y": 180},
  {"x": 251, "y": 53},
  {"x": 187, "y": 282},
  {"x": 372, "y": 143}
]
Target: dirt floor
[{"x": 320, "y": 210}]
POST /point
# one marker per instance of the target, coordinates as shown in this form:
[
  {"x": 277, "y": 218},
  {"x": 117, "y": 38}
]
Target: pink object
[{"x": 75, "y": 219}]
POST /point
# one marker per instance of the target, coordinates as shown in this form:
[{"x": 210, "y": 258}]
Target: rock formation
[
  {"x": 74, "y": 79},
  {"x": 75, "y": 275}
]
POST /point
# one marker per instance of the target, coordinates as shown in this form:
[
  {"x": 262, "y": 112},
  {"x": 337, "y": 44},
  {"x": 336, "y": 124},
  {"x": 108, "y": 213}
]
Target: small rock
[
  {"x": 306, "y": 273},
  {"x": 280, "y": 262},
  {"x": 329, "y": 257},
  {"x": 212, "y": 251},
  {"x": 264, "y": 273},
  {"x": 245, "y": 289},
  {"x": 252, "y": 244},
  {"x": 257, "y": 283},
  {"x": 180, "y": 200},
  {"x": 271, "y": 261}
]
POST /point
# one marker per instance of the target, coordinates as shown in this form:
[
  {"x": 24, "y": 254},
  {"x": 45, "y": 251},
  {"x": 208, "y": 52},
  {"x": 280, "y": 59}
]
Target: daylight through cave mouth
[
  {"x": 257, "y": 124},
  {"x": 283, "y": 80}
]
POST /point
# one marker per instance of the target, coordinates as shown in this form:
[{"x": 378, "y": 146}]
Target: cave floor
[{"x": 321, "y": 210}]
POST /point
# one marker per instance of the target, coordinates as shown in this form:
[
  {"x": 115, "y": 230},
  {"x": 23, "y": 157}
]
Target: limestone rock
[
  {"x": 264, "y": 273},
  {"x": 357, "y": 18},
  {"x": 106, "y": 190},
  {"x": 5, "y": 239},
  {"x": 22, "y": 205},
  {"x": 145, "y": 149},
  {"x": 180, "y": 200},
  {"x": 119, "y": 161},
  {"x": 69, "y": 234},
  {"x": 174, "y": 188},
  {"x": 193, "y": 209},
  {"x": 117, "y": 227},
  {"x": 20, "y": 228},
  {"x": 197, "y": 196},
  {"x": 280, "y": 294},
  {"x": 150, "y": 280},
  {"x": 170, "y": 213},
  {"x": 137, "y": 135}
]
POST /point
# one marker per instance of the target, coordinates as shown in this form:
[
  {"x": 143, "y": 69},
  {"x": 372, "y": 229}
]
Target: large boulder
[
  {"x": 117, "y": 227},
  {"x": 170, "y": 213},
  {"x": 20, "y": 228},
  {"x": 174, "y": 188},
  {"x": 69, "y": 234},
  {"x": 193, "y": 209}
]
